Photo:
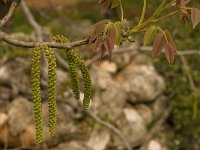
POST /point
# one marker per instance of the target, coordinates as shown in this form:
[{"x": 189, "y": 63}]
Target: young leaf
[
  {"x": 98, "y": 43},
  {"x": 115, "y": 3},
  {"x": 158, "y": 44},
  {"x": 195, "y": 16},
  {"x": 150, "y": 34},
  {"x": 118, "y": 30},
  {"x": 104, "y": 4},
  {"x": 170, "y": 48},
  {"x": 99, "y": 28},
  {"x": 170, "y": 52},
  {"x": 170, "y": 39}
]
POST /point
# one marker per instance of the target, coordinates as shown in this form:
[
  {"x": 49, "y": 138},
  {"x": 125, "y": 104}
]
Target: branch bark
[
  {"x": 5, "y": 37},
  {"x": 10, "y": 13}
]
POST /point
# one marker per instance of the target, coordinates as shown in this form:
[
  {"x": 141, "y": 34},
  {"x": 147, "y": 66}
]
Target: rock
[
  {"x": 159, "y": 106},
  {"x": 99, "y": 139},
  {"x": 16, "y": 127},
  {"x": 156, "y": 145},
  {"x": 145, "y": 112},
  {"x": 132, "y": 126},
  {"x": 14, "y": 75},
  {"x": 141, "y": 81},
  {"x": 3, "y": 119},
  {"x": 110, "y": 67},
  {"x": 123, "y": 59},
  {"x": 73, "y": 145},
  {"x": 109, "y": 102},
  {"x": 100, "y": 78},
  {"x": 20, "y": 114}
]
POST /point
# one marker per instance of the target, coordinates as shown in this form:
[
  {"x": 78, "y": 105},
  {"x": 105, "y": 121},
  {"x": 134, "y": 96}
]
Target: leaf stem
[
  {"x": 163, "y": 17},
  {"x": 143, "y": 12},
  {"x": 152, "y": 19},
  {"x": 122, "y": 11}
]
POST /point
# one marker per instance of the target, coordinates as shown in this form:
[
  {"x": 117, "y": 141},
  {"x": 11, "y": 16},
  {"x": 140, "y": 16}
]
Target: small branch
[
  {"x": 5, "y": 37},
  {"x": 163, "y": 17},
  {"x": 112, "y": 128},
  {"x": 186, "y": 69},
  {"x": 32, "y": 21},
  {"x": 143, "y": 49},
  {"x": 155, "y": 127},
  {"x": 10, "y": 13}
]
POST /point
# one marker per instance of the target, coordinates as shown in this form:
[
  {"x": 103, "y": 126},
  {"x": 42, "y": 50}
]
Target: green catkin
[
  {"x": 74, "y": 62},
  {"x": 72, "y": 56},
  {"x": 72, "y": 66},
  {"x": 51, "y": 88},
  {"x": 87, "y": 83},
  {"x": 37, "y": 104}
]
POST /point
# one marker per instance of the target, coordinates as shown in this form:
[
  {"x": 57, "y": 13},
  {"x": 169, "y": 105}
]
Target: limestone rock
[
  {"x": 109, "y": 102},
  {"x": 132, "y": 126},
  {"x": 141, "y": 81},
  {"x": 99, "y": 139},
  {"x": 156, "y": 145},
  {"x": 73, "y": 145},
  {"x": 145, "y": 112},
  {"x": 100, "y": 78},
  {"x": 19, "y": 115}
]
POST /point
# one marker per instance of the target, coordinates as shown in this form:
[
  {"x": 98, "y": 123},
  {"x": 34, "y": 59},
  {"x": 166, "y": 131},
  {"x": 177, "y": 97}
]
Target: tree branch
[
  {"x": 5, "y": 37},
  {"x": 10, "y": 13},
  {"x": 32, "y": 21}
]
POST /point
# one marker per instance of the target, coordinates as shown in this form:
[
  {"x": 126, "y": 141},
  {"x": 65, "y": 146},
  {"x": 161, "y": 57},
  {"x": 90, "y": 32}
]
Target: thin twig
[
  {"x": 10, "y": 13},
  {"x": 112, "y": 128},
  {"x": 32, "y": 21},
  {"x": 143, "y": 49},
  {"x": 38, "y": 30},
  {"x": 186, "y": 69},
  {"x": 162, "y": 118}
]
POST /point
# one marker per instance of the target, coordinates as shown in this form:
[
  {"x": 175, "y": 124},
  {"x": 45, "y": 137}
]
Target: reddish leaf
[
  {"x": 104, "y": 49},
  {"x": 170, "y": 52},
  {"x": 104, "y": 4},
  {"x": 99, "y": 28},
  {"x": 111, "y": 33},
  {"x": 98, "y": 43},
  {"x": 111, "y": 45},
  {"x": 195, "y": 16},
  {"x": 170, "y": 40},
  {"x": 158, "y": 44}
]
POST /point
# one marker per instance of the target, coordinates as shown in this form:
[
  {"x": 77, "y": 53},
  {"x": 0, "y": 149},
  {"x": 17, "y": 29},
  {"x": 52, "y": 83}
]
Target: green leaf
[
  {"x": 118, "y": 29},
  {"x": 115, "y": 3},
  {"x": 150, "y": 34}
]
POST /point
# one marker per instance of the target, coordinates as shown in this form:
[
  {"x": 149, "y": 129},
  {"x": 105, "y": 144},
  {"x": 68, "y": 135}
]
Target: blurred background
[{"x": 137, "y": 101}]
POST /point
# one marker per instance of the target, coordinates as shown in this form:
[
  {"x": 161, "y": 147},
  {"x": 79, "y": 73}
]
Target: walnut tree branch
[
  {"x": 9, "y": 14},
  {"x": 6, "y": 38}
]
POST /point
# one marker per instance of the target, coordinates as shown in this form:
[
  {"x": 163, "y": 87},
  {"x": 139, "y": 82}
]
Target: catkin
[
  {"x": 37, "y": 104},
  {"x": 80, "y": 64},
  {"x": 87, "y": 83},
  {"x": 51, "y": 88},
  {"x": 72, "y": 66},
  {"x": 74, "y": 62}
]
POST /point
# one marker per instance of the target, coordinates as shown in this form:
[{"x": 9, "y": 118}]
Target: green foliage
[{"x": 150, "y": 34}]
